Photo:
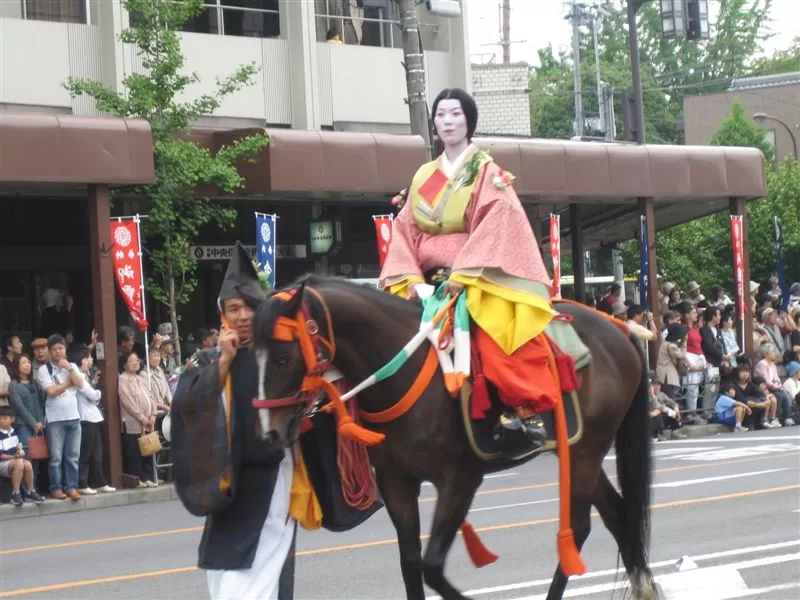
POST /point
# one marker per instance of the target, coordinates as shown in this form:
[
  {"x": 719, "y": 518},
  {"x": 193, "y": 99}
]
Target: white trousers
[{"x": 260, "y": 582}]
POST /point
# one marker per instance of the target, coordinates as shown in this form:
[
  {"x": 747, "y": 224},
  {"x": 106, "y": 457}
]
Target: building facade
[
  {"x": 502, "y": 93},
  {"x": 304, "y": 82},
  {"x": 775, "y": 95}
]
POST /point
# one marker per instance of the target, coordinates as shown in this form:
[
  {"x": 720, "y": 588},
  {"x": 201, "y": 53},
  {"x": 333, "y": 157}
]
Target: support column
[
  {"x": 738, "y": 206},
  {"x": 105, "y": 323},
  {"x": 646, "y": 208},
  {"x": 576, "y": 237},
  {"x": 298, "y": 27}
]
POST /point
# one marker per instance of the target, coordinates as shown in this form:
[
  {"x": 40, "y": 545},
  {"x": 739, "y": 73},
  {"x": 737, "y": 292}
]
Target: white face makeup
[{"x": 450, "y": 122}]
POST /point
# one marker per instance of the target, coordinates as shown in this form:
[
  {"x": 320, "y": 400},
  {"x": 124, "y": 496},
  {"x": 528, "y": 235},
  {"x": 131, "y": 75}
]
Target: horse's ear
[{"x": 295, "y": 303}]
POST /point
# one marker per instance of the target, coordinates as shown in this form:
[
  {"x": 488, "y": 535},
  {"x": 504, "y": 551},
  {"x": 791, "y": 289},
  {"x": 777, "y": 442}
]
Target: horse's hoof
[{"x": 642, "y": 585}]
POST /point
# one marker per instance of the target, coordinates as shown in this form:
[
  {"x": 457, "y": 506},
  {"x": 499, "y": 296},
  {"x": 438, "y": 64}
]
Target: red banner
[
  {"x": 128, "y": 267},
  {"x": 738, "y": 264},
  {"x": 555, "y": 253},
  {"x": 383, "y": 231}
]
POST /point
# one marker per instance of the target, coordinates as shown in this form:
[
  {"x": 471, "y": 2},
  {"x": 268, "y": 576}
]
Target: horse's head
[{"x": 293, "y": 347}]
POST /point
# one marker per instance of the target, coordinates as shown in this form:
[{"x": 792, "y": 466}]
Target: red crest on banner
[
  {"x": 127, "y": 267},
  {"x": 383, "y": 231},
  {"x": 555, "y": 253},
  {"x": 738, "y": 264}
]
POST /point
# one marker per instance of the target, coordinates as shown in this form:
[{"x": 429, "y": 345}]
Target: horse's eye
[{"x": 283, "y": 359}]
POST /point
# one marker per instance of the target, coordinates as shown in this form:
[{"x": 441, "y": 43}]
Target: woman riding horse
[{"x": 464, "y": 219}]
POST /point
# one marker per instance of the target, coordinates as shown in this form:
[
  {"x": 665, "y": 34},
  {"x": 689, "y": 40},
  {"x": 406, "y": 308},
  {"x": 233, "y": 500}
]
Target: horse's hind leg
[
  {"x": 401, "y": 497},
  {"x": 452, "y": 506},
  {"x": 610, "y": 506},
  {"x": 581, "y": 526}
]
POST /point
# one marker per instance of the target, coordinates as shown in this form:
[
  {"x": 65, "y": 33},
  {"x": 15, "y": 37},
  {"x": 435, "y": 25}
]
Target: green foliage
[
  {"x": 782, "y": 61},
  {"x": 738, "y": 130},
  {"x": 263, "y": 278},
  {"x": 177, "y": 213}
]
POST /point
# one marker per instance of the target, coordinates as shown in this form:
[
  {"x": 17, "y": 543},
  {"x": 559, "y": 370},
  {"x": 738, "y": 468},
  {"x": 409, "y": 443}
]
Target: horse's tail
[{"x": 634, "y": 475}]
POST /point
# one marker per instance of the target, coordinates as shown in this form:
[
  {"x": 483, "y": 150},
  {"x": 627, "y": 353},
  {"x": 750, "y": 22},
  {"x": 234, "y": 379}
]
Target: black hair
[
  {"x": 8, "y": 339},
  {"x": 676, "y": 332},
  {"x": 123, "y": 358},
  {"x": 757, "y": 381},
  {"x": 56, "y": 339},
  {"x": 467, "y": 105},
  {"x": 634, "y": 310},
  {"x": 711, "y": 312},
  {"x": 77, "y": 352},
  {"x": 6, "y": 411},
  {"x": 13, "y": 372},
  {"x": 332, "y": 33},
  {"x": 684, "y": 308},
  {"x": 125, "y": 333}
]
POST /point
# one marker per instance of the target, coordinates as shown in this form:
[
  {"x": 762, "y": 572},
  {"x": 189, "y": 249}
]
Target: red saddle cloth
[{"x": 524, "y": 378}]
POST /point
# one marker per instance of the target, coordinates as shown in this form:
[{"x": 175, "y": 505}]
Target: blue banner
[
  {"x": 265, "y": 245},
  {"x": 781, "y": 283},
  {"x": 644, "y": 266}
]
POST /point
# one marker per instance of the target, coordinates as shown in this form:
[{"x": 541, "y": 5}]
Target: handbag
[
  {"x": 37, "y": 448},
  {"x": 149, "y": 444}
]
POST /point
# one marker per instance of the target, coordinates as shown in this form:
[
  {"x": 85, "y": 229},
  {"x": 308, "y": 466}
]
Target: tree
[
  {"x": 738, "y": 130},
  {"x": 176, "y": 213}
]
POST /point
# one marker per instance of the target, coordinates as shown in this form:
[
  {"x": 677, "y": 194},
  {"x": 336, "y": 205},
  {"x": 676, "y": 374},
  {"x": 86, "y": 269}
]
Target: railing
[
  {"x": 377, "y": 32},
  {"x": 220, "y": 19}
]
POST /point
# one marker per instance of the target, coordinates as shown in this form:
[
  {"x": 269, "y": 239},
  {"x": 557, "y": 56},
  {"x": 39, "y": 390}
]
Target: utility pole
[
  {"x": 414, "y": 63},
  {"x": 600, "y": 100},
  {"x": 638, "y": 99},
  {"x": 506, "y": 32},
  {"x": 575, "y": 17}
]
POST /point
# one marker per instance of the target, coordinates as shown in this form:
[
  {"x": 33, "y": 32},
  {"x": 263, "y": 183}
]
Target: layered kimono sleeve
[
  {"x": 402, "y": 266},
  {"x": 204, "y": 473},
  {"x": 508, "y": 288}
]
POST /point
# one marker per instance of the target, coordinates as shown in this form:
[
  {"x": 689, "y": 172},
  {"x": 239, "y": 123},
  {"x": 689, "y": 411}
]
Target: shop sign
[
  {"x": 225, "y": 252},
  {"x": 324, "y": 236}
]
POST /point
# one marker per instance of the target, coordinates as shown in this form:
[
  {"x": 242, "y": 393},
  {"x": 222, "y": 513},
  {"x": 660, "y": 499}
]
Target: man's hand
[
  {"x": 156, "y": 341},
  {"x": 453, "y": 288},
  {"x": 20, "y": 453},
  {"x": 38, "y": 427},
  {"x": 63, "y": 363},
  {"x": 228, "y": 342}
]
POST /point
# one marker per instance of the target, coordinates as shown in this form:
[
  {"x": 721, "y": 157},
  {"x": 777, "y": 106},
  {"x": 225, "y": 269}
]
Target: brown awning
[
  {"x": 589, "y": 171},
  {"x": 42, "y": 148}
]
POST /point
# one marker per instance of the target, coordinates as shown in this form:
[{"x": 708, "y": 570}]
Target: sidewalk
[{"x": 166, "y": 491}]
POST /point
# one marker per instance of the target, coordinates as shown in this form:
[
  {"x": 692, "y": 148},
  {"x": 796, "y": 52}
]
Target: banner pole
[{"x": 137, "y": 220}]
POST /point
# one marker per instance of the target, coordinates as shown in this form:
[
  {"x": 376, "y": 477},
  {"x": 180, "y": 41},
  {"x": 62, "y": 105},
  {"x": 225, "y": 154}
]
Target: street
[{"x": 728, "y": 503}]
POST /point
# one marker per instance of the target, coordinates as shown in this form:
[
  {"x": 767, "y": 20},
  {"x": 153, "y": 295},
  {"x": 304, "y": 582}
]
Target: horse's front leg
[
  {"x": 401, "y": 496},
  {"x": 452, "y": 505}
]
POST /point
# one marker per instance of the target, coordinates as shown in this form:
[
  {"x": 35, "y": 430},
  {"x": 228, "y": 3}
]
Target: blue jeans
[
  {"x": 65, "y": 447},
  {"x": 784, "y": 403},
  {"x": 23, "y": 433}
]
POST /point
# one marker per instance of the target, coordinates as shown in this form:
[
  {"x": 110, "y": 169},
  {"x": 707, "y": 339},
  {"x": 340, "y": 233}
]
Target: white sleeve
[{"x": 44, "y": 378}]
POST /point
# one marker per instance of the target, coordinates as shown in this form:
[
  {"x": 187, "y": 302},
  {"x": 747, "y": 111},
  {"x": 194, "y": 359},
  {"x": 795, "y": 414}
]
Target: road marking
[
  {"x": 485, "y": 508},
  {"x": 136, "y": 536},
  {"x": 621, "y": 571},
  {"x": 737, "y": 438},
  {"x": 116, "y": 578},
  {"x": 685, "y": 482},
  {"x": 485, "y": 477}
]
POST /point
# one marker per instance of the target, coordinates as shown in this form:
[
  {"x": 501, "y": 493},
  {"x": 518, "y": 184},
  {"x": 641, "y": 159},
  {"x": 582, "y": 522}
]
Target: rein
[{"x": 318, "y": 354}]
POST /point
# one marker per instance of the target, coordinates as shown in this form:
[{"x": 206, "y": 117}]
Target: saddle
[{"x": 497, "y": 433}]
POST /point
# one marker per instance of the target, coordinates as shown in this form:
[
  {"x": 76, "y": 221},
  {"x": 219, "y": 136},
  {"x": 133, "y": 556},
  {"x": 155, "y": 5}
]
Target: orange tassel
[
  {"x": 348, "y": 428},
  {"x": 479, "y": 554},
  {"x": 569, "y": 558}
]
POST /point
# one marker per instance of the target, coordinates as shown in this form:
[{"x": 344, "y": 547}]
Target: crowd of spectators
[{"x": 702, "y": 373}]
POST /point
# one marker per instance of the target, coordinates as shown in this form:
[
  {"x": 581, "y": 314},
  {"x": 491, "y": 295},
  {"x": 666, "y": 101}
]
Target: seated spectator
[
  {"x": 664, "y": 412},
  {"x": 792, "y": 385},
  {"x": 767, "y": 369},
  {"x": 672, "y": 359},
  {"x": 13, "y": 463},
  {"x": 729, "y": 341},
  {"x": 728, "y": 411},
  {"x": 770, "y": 325},
  {"x": 91, "y": 478},
  {"x": 138, "y": 417},
  {"x": 60, "y": 381},
  {"x": 768, "y": 402}
]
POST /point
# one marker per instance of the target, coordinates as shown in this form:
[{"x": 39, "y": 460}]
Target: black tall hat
[{"x": 241, "y": 280}]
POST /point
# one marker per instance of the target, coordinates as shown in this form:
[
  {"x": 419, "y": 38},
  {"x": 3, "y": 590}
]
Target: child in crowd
[
  {"x": 12, "y": 461},
  {"x": 770, "y": 404},
  {"x": 728, "y": 411}
]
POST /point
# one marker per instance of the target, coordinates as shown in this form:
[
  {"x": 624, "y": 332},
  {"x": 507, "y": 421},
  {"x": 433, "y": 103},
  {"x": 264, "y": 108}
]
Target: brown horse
[{"x": 429, "y": 442}]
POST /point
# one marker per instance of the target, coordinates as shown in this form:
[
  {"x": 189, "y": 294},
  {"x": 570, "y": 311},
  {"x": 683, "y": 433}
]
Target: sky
[{"x": 537, "y": 23}]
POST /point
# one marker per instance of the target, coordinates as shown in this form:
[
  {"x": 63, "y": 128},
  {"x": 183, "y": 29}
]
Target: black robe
[{"x": 202, "y": 457}]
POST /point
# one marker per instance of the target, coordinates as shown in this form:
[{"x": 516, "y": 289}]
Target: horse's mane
[{"x": 272, "y": 308}]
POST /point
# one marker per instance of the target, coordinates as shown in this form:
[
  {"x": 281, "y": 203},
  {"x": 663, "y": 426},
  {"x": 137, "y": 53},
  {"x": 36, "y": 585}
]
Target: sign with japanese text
[
  {"x": 555, "y": 253},
  {"x": 128, "y": 267},
  {"x": 225, "y": 252},
  {"x": 321, "y": 236},
  {"x": 383, "y": 231}
]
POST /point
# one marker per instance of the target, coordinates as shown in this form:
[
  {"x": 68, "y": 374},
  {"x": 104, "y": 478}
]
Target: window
[
  {"x": 358, "y": 22},
  {"x": 63, "y": 11},
  {"x": 246, "y": 18}
]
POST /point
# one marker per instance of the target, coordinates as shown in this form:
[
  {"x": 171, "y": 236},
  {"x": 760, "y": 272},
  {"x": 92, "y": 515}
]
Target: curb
[
  {"x": 166, "y": 491},
  {"x": 125, "y": 497}
]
